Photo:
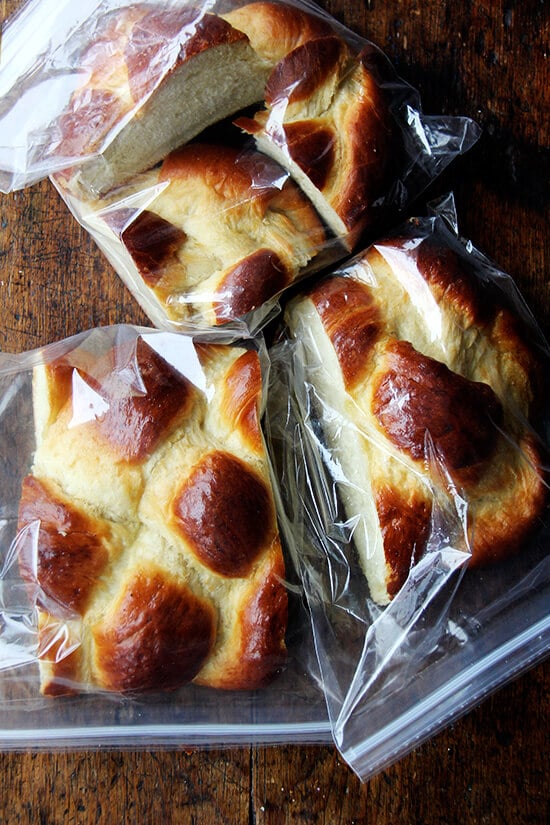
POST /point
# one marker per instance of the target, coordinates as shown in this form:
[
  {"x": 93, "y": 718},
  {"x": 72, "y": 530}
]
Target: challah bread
[
  {"x": 226, "y": 232},
  {"x": 189, "y": 68},
  {"x": 148, "y": 531},
  {"x": 426, "y": 387},
  {"x": 326, "y": 119}
]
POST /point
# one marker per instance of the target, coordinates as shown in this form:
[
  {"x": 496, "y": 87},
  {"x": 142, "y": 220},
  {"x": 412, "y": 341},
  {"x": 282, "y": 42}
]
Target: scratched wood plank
[
  {"x": 486, "y": 60},
  {"x": 54, "y": 281}
]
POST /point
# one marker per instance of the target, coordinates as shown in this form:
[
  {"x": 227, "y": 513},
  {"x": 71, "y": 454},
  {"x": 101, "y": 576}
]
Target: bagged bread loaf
[
  {"x": 154, "y": 78},
  {"x": 147, "y": 528},
  {"x": 425, "y": 388}
]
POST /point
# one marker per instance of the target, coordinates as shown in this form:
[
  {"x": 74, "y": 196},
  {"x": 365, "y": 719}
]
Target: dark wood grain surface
[{"x": 488, "y": 60}]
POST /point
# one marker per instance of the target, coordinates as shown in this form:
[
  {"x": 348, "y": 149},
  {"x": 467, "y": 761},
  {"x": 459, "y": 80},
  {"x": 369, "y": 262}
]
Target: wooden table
[{"x": 486, "y": 60}]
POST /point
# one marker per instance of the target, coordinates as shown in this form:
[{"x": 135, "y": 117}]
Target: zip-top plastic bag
[
  {"x": 217, "y": 152},
  {"x": 409, "y": 421},
  {"x": 141, "y": 565}
]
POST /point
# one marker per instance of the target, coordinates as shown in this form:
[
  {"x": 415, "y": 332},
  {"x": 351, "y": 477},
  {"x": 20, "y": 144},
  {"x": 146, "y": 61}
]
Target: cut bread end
[{"x": 216, "y": 84}]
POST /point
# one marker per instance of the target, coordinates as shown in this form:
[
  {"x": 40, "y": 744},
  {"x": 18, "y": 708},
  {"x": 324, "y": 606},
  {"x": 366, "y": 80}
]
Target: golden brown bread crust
[
  {"x": 241, "y": 397},
  {"x": 249, "y": 284},
  {"x": 153, "y": 244},
  {"x": 433, "y": 368},
  {"x": 96, "y": 106},
  {"x": 148, "y": 532},
  {"x": 71, "y": 555},
  {"x": 262, "y": 623},
  {"x": 158, "y": 633},
  {"x": 275, "y": 29},
  {"x": 413, "y": 395},
  {"x": 225, "y": 234},
  {"x": 130, "y": 426},
  {"x": 352, "y": 321},
  {"x": 302, "y": 73},
  {"x": 405, "y": 519},
  {"x": 133, "y": 426},
  {"x": 224, "y": 513}
]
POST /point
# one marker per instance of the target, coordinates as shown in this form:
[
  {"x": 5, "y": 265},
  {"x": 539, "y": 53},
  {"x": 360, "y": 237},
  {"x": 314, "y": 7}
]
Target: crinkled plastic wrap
[
  {"x": 141, "y": 570},
  {"x": 409, "y": 418},
  {"x": 217, "y": 152}
]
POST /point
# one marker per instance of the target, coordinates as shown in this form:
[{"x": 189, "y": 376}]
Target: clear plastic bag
[
  {"x": 469, "y": 607},
  {"x": 207, "y": 246},
  {"x": 75, "y": 552}
]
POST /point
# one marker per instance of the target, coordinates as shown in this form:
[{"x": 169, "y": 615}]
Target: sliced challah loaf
[{"x": 426, "y": 388}]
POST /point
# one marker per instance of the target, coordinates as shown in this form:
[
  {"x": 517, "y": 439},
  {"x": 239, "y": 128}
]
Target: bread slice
[
  {"x": 325, "y": 119},
  {"x": 154, "y": 78},
  {"x": 148, "y": 533},
  {"x": 426, "y": 387}
]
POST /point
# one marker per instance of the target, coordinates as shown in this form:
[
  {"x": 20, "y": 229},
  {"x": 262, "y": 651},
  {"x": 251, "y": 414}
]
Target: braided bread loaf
[
  {"x": 325, "y": 120},
  {"x": 182, "y": 68},
  {"x": 148, "y": 531},
  {"x": 427, "y": 387},
  {"x": 225, "y": 233}
]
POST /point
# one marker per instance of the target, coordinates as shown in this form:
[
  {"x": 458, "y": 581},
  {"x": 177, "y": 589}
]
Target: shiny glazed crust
[
  {"x": 437, "y": 386},
  {"x": 147, "y": 526},
  {"x": 225, "y": 234},
  {"x": 275, "y": 29}
]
